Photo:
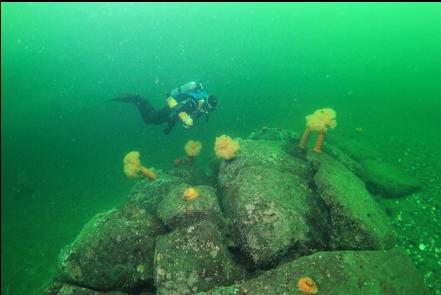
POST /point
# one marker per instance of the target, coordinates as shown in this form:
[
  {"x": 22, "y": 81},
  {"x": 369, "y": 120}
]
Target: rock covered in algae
[
  {"x": 114, "y": 251},
  {"x": 338, "y": 154},
  {"x": 267, "y": 197},
  {"x": 66, "y": 289},
  {"x": 263, "y": 153},
  {"x": 193, "y": 258},
  {"x": 266, "y": 133},
  {"x": 388, "y": 181},
  {"x": 291, "y": 140},
  {"x": 190, "y": 172},
  {"x": 381, "y": 178},
  {"x": 281, "y": 208},
  {"x": 175, "y": 210},
  {"x": 377, "y": 272},
  {"x": 356, "y": 148},
  {"x": 357, "y": 221},
  {"x": 148, "y": 194}
]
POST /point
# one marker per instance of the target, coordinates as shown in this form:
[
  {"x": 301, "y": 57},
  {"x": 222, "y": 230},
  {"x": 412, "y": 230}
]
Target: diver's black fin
[{"x": 134, "y": 98}]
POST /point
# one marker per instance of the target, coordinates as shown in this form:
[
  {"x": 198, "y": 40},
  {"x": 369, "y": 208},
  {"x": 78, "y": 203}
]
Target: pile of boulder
[{"x": 260, "y": 223}]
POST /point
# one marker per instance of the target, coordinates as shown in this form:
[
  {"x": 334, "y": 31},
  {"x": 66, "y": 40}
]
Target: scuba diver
[{"x": 186, "y": 103}]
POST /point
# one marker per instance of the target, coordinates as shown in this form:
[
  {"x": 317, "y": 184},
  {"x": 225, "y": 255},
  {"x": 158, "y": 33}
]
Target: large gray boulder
[
  {"x": 114, "y": 251},
  {"x": 148, "y": 194},
  {"x": 267, "y": 197},
  {"x": 376, "y": 272},
  {"x": 66, "y": 289},
  {"x": 263, "y": 153},
  {"x": 380, "y": 177},
  {"x": 357, "y": 148},
  {"x": 388, "y": 181},
  {"x": 280, "y": 134},
  {"x": 193, "y": 258},
  {"x": 189, "y": 171},
  {"x": 290, "y": 141},
  {"x": 175, "y": 211},
  {"x": 357, "y": 221},
  {"x": 338, "y": 154}
]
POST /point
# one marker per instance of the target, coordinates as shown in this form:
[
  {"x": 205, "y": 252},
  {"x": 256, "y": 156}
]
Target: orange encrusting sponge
[
  {"x": 307, "y": 285},
  {"x": 191, "y": 193}
]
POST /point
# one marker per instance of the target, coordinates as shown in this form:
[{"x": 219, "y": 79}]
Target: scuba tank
[{"x": 185, "y": 88}]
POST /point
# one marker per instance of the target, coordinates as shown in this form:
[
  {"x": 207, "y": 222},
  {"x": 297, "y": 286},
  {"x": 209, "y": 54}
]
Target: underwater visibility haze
[{"x": 307, "y": 160}]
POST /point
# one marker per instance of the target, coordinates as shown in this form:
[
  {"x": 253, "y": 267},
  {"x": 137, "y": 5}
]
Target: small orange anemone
[
  {"x": 225, "y": 147},
  {"x": 307, "y": 285},
  {"x": 191, "y": 193},
  {"x": 193, "y": 148}
]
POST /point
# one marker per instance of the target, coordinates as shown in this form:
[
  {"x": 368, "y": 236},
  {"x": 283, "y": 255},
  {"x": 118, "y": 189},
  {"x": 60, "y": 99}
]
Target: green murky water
[{"x": 62, "y": 143}]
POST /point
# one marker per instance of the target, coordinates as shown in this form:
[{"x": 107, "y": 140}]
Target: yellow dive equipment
[
  {"x": 171, "y": 102},
  {"x": 185, "y": 118}
]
